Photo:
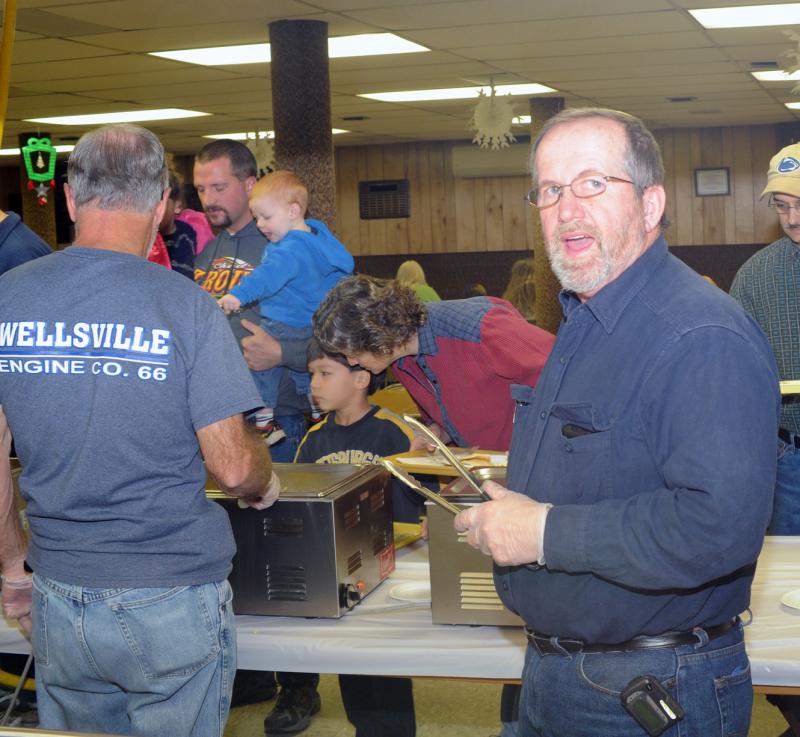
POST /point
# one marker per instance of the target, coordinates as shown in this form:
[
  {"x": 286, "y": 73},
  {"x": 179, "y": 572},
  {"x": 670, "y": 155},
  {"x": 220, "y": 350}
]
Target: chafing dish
[
  {"x": 320, "y": 549},
  {"x": 462, "y": 585}
]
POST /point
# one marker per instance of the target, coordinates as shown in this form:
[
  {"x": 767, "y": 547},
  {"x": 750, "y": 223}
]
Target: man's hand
[
  {"x": 261, "y": 351},
  {"x": 229, "y": 303},
  {"x": 265, "y": 500},
  {"x": 510, "y": 528},
  {"x": 17, "y": 601}
]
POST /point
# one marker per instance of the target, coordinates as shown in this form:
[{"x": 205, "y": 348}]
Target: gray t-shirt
[{"x": 109, "y": 365}]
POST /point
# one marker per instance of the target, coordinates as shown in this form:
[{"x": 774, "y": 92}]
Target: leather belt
[
  {"x": 789, "y": 437},
  {"x": 560, "y": 646}
]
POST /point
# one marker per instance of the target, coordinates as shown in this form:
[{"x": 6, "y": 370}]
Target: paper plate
[
  {"x": 414, "y": 592},
  {"x": 791, "y": 599}
]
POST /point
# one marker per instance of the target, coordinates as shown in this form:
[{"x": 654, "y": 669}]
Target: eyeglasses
[
  {"x": 781, "y": 207},
  {"x": 583, "y": 187}
]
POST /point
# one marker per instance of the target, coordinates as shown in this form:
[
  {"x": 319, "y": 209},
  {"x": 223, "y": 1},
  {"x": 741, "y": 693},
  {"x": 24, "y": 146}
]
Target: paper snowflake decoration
[
  {"x": 262, "y": 148},
  {"x": 793, "y": 54},
  {"x": 491, "y": 121}
]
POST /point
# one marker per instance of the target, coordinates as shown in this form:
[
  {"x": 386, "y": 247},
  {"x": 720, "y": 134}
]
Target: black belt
[
  {"x": 557, "y": 646},
  {"x": 789, "y": 437}
]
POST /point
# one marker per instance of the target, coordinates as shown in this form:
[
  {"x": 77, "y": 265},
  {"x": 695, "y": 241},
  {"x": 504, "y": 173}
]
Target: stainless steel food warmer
[
  {"x": 320, "y": 549},
  {"x": 462, "y": 586}
]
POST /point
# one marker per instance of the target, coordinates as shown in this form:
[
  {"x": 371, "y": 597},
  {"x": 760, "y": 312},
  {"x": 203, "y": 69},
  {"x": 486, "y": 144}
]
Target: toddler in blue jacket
[{"x": 301, "y": 262}]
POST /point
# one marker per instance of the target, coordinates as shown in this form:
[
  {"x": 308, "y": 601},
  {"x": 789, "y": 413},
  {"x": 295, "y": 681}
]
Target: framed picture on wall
[{"x": 709, "y": 182}]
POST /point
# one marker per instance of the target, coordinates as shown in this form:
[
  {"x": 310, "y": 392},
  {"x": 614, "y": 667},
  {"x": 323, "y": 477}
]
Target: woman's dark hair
[{"x": 362, "y": 314}]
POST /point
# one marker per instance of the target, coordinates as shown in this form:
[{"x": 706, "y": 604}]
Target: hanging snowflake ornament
[
  {"x": 793, "y": 54},
  {"x": 262, "y": 148},
  {"x": 491, "y": 121}
]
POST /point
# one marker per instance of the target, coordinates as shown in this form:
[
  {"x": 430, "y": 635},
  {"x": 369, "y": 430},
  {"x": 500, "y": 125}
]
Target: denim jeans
[
  {"x": 150, "y": 661},
  {"x": 579, "y": 695},
  {"x": 268, "y": 382},
  {"x": 786, "y": 505},
  {"x": 295, "y": 427}
]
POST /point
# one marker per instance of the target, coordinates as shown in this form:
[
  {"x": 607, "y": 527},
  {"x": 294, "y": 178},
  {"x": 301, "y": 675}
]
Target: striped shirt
[{"x": 768, "y": 287}]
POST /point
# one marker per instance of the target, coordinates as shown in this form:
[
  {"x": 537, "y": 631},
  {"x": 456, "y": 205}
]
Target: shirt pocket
[
  {"x": 584, "y": 457},
  {"x": 523, "y": 401}
]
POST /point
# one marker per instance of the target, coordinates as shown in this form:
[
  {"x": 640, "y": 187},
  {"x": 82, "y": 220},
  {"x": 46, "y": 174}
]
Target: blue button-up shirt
[{"x": 652, "y": 432}]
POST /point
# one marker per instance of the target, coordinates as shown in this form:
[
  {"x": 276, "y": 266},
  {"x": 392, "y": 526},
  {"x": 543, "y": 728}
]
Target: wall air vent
[{"x": 381, "y": 200}]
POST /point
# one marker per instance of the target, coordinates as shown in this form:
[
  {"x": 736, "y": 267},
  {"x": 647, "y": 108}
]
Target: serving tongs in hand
[
  {"x": 463, "y": 471},
  {"x": 411, "y": 482}
]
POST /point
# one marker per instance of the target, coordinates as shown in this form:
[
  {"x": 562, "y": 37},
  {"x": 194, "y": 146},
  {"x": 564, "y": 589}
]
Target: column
[
  {"x": 547, "y": 310},
  {"x": 301, "y": 110}
]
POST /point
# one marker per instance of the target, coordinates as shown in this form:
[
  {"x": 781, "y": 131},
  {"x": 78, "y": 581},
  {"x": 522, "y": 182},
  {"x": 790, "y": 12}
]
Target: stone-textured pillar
[
  {"x": 41, "y": 219},
  {"x": 547, "y": 310},
  {"x": 301, "y": 110}
]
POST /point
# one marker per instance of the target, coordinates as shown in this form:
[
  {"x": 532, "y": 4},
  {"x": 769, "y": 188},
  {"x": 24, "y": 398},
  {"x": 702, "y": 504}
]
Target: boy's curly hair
[{"x": 362, "y": 314}]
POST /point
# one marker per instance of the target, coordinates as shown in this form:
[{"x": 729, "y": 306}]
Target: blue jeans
[
  {"x": 148, "y": 661},
  {"x": 295, "y": 428},
  {"x": 579, "y": 695},
  {"x": 786, "y": 505},
  {"x": 268, "y": 382}
]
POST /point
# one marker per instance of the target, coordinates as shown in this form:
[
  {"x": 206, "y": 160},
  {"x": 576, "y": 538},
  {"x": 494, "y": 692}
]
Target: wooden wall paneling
[
  {"x": 479, "y": 209},
  {"x": 467, "y": 236},
  {"x": 765, "y": 221},
  {"x": 666, "y": 141},
  {"x": 414, "y": 223},
  {"x": 377, "y": 229},
  {"x": 514, "y": 214},
  {"x": 424, "y": 207},
  {"x": 713, "y": 207},
  {"x": 347, "y": 198},
  {"x": 682, "y": 176},
  {"x": 494, "y": 216},
  {"x": 695, "y": 161},
  {"x": 728, "y": 159},
  {"x": 362, "y": 175},
  {"x": 451, "y": 243},
  {"x": 744, "y": 201},
  {"x": 395, "y": 167},
  {"x": 438, "y": 199}
]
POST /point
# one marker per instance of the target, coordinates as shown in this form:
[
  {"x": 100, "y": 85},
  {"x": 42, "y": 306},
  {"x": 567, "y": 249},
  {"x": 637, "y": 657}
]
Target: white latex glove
[
  {"x": 265, "y": 500},
  {"x": 510, "y": 528}
]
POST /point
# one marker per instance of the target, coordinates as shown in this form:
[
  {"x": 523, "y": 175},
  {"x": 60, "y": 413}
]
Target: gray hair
[
  {"x": 118, "y": 167},
  {"x": 642, "y": 159}
]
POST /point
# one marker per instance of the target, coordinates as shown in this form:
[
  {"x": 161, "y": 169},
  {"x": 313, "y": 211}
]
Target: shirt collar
[
  {"x": 610, "y": 302},
  {"x": 427, "y": 339}
]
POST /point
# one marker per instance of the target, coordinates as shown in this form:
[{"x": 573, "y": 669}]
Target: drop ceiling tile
[{"x": 53, "y": 49}]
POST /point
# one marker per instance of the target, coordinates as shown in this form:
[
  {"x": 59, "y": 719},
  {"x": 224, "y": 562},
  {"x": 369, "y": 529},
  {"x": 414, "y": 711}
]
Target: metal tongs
[
  {"x": 411, "y": 482},
  {"x": 463, "y": 471}
]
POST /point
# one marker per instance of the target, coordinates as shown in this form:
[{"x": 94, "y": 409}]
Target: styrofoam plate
[
  {"x": 414, "y": 592},
  {"x": 791, "y": 599}
]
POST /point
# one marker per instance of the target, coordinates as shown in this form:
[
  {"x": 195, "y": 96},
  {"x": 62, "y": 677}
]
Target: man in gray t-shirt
[{"x": 117, "y": 379}]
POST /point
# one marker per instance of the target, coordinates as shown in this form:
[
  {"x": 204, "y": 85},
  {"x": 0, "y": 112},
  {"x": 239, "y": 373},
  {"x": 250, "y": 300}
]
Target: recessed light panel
[
  {"x": 363, "y": 44},
  {"x": 748, "y": 16},
  {"x": 130, "y": 116}
]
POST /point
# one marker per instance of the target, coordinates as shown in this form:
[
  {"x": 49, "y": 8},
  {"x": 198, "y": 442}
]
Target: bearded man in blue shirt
[{"x": 641, "y": 467}]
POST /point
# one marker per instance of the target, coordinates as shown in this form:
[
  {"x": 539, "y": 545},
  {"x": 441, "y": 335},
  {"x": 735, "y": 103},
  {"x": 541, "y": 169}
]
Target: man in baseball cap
[{"x": 767, "y": 287}]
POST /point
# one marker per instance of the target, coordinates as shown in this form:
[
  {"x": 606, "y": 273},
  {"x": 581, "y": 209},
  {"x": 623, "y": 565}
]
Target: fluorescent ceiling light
[
  {"x": 458, "y": 93},
  {"x": 792, "y": 105},
  {"x": 777, "y": 75},
  {"x": 131, "y": 116},
  {"x": 521, "y": 120},
  {"x": 364, "y": 44},
  {"x": 243, "y": 136},
  {"x": 748, "y": 16},
  {"x": 17, "y": 152}
]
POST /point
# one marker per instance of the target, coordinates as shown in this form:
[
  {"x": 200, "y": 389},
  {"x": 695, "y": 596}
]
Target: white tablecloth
[{"x": 383, "y": 636}]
